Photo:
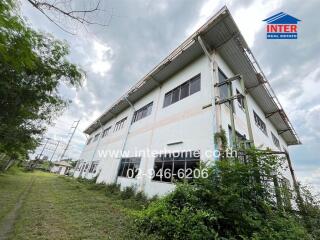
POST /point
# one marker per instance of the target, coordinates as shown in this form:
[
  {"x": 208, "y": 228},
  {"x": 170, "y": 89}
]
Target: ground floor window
[
  {"x": 78, "y": 166},
  {"x": 176, "y": 166},
  {"x": 93, "y": 167},
  {"x": 85, "y": 167},
  {"x": 129, "y": 167}
]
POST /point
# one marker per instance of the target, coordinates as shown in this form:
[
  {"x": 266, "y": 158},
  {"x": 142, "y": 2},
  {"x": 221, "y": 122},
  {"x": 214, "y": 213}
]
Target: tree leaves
[{"x": 32, "y": 66}]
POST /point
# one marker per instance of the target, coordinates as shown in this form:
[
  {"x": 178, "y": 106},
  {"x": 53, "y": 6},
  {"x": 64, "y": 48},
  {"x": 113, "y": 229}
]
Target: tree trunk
[{"x": 9, "y": 164}]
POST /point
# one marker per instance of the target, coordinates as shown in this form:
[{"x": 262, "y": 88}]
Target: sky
[{"x": 139, "y": 34}]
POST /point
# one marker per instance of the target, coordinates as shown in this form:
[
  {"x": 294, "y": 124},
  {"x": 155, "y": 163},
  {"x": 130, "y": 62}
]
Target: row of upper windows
[
  {"x": 106, "y": 131},
  {"x": 262, "y": 126},
  {"x": 184, "y": 90}
]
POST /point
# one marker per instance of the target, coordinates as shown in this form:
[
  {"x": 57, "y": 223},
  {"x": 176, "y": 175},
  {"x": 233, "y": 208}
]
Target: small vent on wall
[
  {"x": 174, "y": 143},
  {"x": 206, "y": 106}
]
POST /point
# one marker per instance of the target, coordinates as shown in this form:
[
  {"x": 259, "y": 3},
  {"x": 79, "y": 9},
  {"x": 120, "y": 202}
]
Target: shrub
[
  {"x": 112, "y": 189},
  {"x": 154, "y": 198},
  {"x": 141, "y": 197},
  {"x": 127, "y": 192},
  {"x": 232, "y": 203},
  {"x": 96, "y": 186}
]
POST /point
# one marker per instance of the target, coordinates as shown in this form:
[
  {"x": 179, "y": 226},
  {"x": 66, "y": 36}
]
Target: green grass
[
  {"x": 63, "y": 208},
  {"x": 11, "y": 186}
]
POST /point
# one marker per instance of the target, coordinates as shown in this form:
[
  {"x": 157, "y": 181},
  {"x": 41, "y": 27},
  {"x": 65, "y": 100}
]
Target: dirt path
[
  {"x": 44, "y": 206},
  {"x": 7, "y": 223}
]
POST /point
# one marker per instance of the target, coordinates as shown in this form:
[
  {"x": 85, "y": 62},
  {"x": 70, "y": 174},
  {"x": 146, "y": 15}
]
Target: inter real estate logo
[{"x": 282, "y": 26}]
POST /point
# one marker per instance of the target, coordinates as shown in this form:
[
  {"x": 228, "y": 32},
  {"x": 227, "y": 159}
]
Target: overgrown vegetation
[
  {"x": 33, "y": 65},
  {"x": 61, "y": 208},
  {"x": 243, "y": 198},
  {"x": 128, "y": 196}
]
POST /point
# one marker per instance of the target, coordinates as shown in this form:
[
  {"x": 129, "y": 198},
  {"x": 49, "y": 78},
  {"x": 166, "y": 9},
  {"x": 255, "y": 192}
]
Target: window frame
[
  {"x": 93, "y": 167},
  {"x": 260, "y": 123},
  {"x": 240, "y": 100},
  {"x": 96, "y": 137},
  {"x": 119, "y": 125},
  {"x": 275, "y": 140},
  {"x": 169, "y": 96},
  {"x": 223, "y": 90},
  {"x": 89, "y": 141},
  {"x": 191, "y": 82},
  {"x": 188, "y": 157},
  {"x": 106, "y": 131},
  {"x": 129, "y": 163},
  {"x": 142, "y": 112}
]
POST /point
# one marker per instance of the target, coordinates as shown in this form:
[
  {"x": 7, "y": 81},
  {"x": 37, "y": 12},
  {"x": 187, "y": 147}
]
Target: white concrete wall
[
  {"x": 260, "y": 138},
  {"x": 184, "y": 121},
  {"x": 58, "y": 170}
]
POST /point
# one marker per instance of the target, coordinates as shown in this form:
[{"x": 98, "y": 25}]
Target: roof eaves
[
  {"x": 266, "y": 84},
  {"x": 188, "y": 42}
]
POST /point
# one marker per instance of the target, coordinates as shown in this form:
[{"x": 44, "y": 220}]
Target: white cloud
[
  {"x": 249, "y": 18},
  {"x": 207, "y": 10},
  {"x": 310, "y": 178},
  {"x": 142, "y": 32},
  {"x": 100, "y": 59}
]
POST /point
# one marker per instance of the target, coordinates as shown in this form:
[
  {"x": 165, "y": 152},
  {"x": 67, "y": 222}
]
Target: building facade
[{"x": 165, "y": 124}]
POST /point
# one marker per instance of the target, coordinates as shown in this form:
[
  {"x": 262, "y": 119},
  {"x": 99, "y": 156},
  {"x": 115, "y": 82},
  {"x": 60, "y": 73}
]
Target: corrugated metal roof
[{"x": 220, "y": 33}]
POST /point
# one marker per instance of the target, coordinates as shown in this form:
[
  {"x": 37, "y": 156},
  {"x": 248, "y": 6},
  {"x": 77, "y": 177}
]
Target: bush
[
  {"x": 141, "y": 197},
  {"x": 231, "y": 203},
  {"x": 128, "y": 192},
  {"x": 112, "y": 189},
  {"x": 96, "y": 187}
]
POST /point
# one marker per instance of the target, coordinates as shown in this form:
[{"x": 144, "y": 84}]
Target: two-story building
[{"x": 210, "y": 82}]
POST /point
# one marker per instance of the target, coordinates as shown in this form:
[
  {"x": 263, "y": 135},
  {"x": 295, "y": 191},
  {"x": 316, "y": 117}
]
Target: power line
[
  {"x": 53, "y": 153},
  {"x": 74, "y": 129}
]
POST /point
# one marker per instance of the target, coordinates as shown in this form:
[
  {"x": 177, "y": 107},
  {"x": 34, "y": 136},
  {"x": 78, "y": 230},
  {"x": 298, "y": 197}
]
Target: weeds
[{"x": 128, "y": 192}]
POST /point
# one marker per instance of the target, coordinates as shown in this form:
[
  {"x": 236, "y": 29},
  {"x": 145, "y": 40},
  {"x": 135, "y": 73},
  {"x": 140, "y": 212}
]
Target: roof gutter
[{"x": 185, "y": 45}]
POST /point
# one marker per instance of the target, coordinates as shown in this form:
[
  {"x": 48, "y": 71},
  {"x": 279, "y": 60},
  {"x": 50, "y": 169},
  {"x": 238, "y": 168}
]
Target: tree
[
  {"x": 32, "y": 67},
  {"x": 230, "y": 203},
  {"x": 63, "y": 12}
]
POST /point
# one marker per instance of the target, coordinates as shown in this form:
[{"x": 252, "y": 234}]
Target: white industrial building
[
  {"x": 211, "y": 81},
  {"x": 61, "y": 167}
]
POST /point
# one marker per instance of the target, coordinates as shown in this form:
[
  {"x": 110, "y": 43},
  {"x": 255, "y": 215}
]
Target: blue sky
[{"x": 141, "y": 33}]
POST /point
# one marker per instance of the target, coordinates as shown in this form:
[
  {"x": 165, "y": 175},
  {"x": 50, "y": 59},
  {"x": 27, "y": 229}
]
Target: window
[
  {"x": 96, "y": 137},
  {"x": 240, "y": 99},
  {"x": 185, "y": 90},
  {"x": 194, "y": 85},
  {"x": 89, "y": 141},
  {"x": 239, "y": 137},
  {"x": 168, "y": 166},
  {"x": 261, "y": 124},
  {"x": 85, "y": 167},
  {"x": 119, "y": 124},
  {"x": 189, "y": 87},
  {"x": 106, "y": 131},
  {"x": 224, "y": 88},
  {"x": 93, "y": 167},
  {"x": 142, "y": 112},
  {"x": 167, "y": 99},
  {"x": 275, "y": 140},
  {"x": 78, "y": 166},
  {"x": 129, "y": 167},
  {"x": 175, "y": 95}
]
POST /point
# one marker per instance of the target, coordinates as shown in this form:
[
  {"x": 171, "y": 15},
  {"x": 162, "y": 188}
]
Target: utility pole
[
  {"x": 74, "y": 129},
  {"x": 50, "y": 161},
  {"x": 44, "y": 146},
  {"x": 54, "y": 151}
]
